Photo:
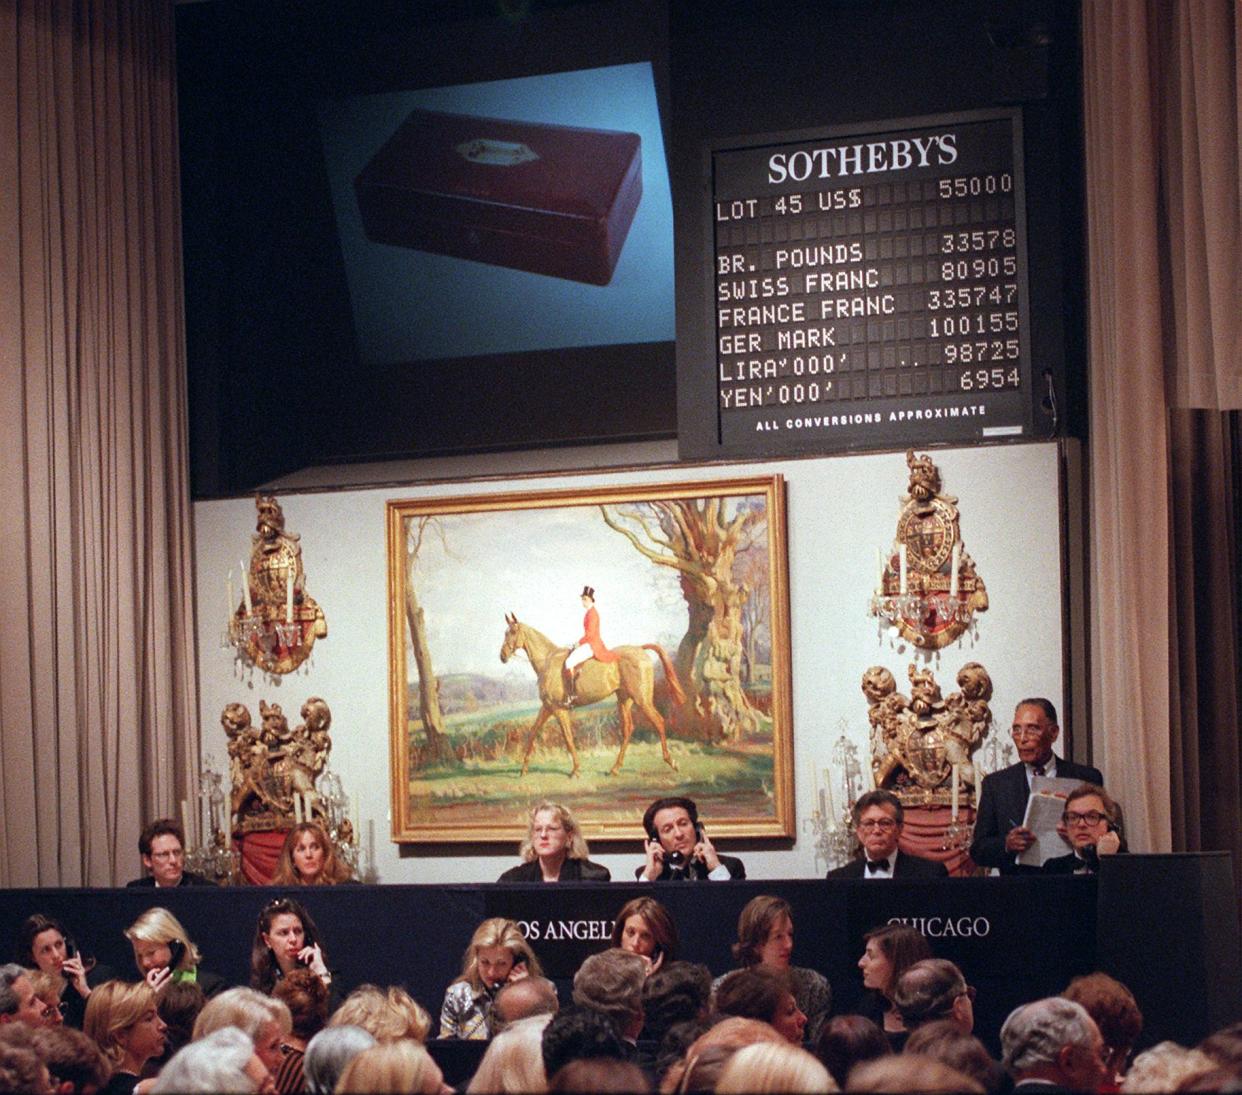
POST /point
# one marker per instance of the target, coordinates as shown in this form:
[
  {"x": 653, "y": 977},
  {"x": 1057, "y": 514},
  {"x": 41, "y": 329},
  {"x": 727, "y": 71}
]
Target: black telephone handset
[
  {"x": 176, "y": 951},
  {"x": 71, "y": 950}
]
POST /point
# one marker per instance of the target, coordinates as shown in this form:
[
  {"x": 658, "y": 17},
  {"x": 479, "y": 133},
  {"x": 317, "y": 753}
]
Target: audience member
[
  {"x": 767, "y": 1067},
  {"x": 164, "y": 952},
  {"x": 223, "y": 1061},
  {"x": 765, "y": 938},
  {"x": 764, "y": 994},
  {"x": 386, "y": 1014},
  {"x": 645, "y": 927},
  {"x": 162, "y": 847},
  {"x": 21, "y": 1070},
  {"x": 1164, "y": 1067},
  {"x": 43, "y": 943},
  {"x": 263, "y": 1019},
  {"x": 934, "y": 989},
  {"x": 328, "y": 1053},
  {"x": 285, "y": 939},
  {"x": 1225, "y": 1046},
  {"x": 513, "y": 1063},
  {"x": 1052, "y": 1042},
  {"x": 75, "y": 1063},
  {"x": 48, "y": 987},
  {"x": 123, "y": 1021},
  {"x": 523, "y": 999},
  {"x": 847, "y": 1040},
  {"x": 555, "y": 850},
  {"x": 576, "y": 1033},
  {"x": 308, "y": 858},
  {"x": 946, "y": 1042},
  {"x": 403, "y": 1067},
  {"x": 888, "y": 952},
  {"x": 1000, "y": 835},
  {"x": 899, "y": 1073},
  {"x": 599, "y": 1077},
  {"x": 878, "y": 822},
  {"x": 676, "y": 1043},
  {"x": 1091, "y": 819},
  {"x": 610, "y": 983},
  {"x": 497, "y": 955},
  {"x": 677, "y": 993},
  {"x": 18, "y": 1002},
  {"x": 1117, "y": 1015},
  {"x": 678, "y": 848},
  {"x": 306, "y": 997},
  {"x": 179, "y": 1005},
  {"x": 699, "y": 1070}
]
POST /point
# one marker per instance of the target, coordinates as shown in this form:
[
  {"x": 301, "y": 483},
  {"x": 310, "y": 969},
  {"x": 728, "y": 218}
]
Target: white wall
[{"x": 840, "y": 509}]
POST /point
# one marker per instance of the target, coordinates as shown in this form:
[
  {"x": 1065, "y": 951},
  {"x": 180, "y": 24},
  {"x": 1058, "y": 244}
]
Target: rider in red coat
[{"x": 590, "y": 639}]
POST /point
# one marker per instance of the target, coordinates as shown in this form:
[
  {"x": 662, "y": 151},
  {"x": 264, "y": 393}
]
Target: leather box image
[{"x": 550, "y": 199}]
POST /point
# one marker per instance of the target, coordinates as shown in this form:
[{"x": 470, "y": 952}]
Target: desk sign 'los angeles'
[{"x": 868, "y": 290}]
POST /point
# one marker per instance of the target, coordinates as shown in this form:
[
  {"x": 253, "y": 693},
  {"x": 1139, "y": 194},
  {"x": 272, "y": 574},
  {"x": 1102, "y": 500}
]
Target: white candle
[
  {"x": 901, "y": 556},
  {"x": 297, "y": 808},
  {"x": 310, "y": 804},
  {"x": 289, "y": 594},
  {"x": 832, "y": 807},
  {"x": 879, "y": 571},
  {"x": 228, "y": 592},
  {"x": 246, "y": 590},
  {"x": 185, "y": 822},
  {"x": 957, "y": 559},
  {"x": 953, "y": 777}
]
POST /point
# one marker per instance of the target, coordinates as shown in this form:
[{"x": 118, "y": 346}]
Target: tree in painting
[{"x": 439, "y": 747}]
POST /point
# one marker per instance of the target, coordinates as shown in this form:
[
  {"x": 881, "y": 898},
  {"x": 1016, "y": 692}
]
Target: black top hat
[{"x": 587, "y": 591}]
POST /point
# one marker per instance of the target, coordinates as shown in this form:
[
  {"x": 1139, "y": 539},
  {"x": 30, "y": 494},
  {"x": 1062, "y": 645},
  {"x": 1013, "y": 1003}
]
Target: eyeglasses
[
  {"x": 1091, "y": 817},
  {"x": 882, "y": 823},
  {"x": 53, "y": 1009},
  {"x": 1020, "y": 733},
  {"x": 175, "y": 853},
  {"x": 969, "y": 991}
]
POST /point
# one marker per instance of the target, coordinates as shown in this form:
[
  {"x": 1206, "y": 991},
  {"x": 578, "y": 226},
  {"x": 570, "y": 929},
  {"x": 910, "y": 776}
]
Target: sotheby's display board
[{"x": 447, "y": 600}]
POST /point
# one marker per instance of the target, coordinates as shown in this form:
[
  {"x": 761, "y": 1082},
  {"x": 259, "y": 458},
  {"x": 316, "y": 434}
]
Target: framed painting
[{"x": 673, "y": 599}]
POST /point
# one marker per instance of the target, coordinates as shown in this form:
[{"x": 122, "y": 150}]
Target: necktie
[
  {"x": 878, "y": 866},
  {"x": 1038, "y": 769}
]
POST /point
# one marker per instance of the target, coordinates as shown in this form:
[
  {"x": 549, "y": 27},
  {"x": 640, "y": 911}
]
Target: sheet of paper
[{"x": 1044, "y": 808}]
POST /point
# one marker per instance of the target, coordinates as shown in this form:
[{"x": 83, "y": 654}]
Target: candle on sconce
[
  {"x": 185, "y": 822},
  {"x": 957, "y": 562},
  {"x": 901, "y": 557},
  {"x": 228, "y": 592},
  {"x": 953, "y": 776},
  {"x": 289, "y": 594},
  {"x": 879, "y": 572},
  {"x": 832, "y": 807},
  {"x": 297, "y": 808},
  {"x": 309, "y": 811},
  {"x": 246, "y": 590}
]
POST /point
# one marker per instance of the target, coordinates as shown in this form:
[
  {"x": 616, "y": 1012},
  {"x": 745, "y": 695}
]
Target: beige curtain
[
  {"x": 97, "y": 686},
  {"x": 1161, "y": 110}
]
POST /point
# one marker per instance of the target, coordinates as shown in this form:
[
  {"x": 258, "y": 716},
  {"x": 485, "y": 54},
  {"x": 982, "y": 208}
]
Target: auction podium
[{"x": 1167, "y": 926}]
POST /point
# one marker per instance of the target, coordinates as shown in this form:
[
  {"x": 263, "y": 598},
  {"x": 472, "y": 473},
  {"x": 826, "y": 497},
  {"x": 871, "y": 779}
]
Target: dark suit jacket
[
  {"x": 1002, "y": 806},
  {"x": 698, "y": 870},
  {"x": 572, "y": 870},
  {"x": 907, "y": 866},
  {"x": 188, "y": 878}
]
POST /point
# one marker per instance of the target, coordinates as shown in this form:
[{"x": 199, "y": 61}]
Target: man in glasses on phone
[
  {"x": 162, "y": 847},
  {"x": 1000, "y": 835},
  {"x": 878, "y": 821},
  {"x": 1092, "y": 823},
  {"x": 678, "y": 848}
]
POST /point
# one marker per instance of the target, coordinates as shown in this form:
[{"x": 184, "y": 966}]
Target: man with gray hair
[
  {"x": 18, "y": 1002},
  {"x": 1052, "y": 1045},
  {"x": 329, "y": 1052},
  {"x": 521, "y": 1000},
  {"x": 611, "y": 984},
  {"x": 932, "y": 989},
  {"x": 222, "y": 1061}
]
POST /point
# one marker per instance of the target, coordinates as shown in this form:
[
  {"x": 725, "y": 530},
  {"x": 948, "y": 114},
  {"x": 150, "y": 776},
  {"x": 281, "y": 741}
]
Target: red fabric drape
[{"x": 260, "y": 852}]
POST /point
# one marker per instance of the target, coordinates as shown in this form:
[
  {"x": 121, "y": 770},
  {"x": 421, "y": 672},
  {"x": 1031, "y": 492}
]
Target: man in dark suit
[
  {"x": 878, "y": 820},
  {"x": 678, "y": 848},
  {"x": 162, "y": 847},
  {"x": 1052, "y": 1045},
  {"x": 999, "y": 833}
]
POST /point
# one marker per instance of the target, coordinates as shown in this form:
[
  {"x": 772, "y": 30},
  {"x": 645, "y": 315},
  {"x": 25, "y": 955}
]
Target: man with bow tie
[{"x": 878, "y": 818}]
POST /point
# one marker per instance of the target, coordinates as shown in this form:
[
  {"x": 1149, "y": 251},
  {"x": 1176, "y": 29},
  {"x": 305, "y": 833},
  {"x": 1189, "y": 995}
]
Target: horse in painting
[{"x": 631, "y": 678}]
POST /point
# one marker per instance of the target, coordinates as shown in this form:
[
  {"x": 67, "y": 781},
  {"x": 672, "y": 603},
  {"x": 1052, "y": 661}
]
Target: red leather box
[{"x": 551, "y": 199}]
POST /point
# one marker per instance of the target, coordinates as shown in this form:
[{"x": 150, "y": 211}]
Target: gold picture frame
[{"x": 486, "y": 592}]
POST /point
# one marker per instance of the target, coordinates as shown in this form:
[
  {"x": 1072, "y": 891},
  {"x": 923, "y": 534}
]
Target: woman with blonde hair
[
  {"x": 122, "y": 1020},
  {"x": 308, "y": 858},
  {"x": 266, "y": 1020},
  {"x": 164, "y": 952},
  {"x": 555, "y": 850},
  {"x": 704, "y": 1061},
  {"x": 498, "y": 954},
  {"x": 402, "y": 1067},
  {"x": 768, "y": 1067},
  {"x": 386, "y": 1014},
  {"x": 513, "y": 1063}
]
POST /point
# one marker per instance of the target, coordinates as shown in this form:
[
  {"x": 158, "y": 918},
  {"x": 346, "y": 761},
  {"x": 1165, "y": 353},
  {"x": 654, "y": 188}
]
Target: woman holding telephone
[
  {"x": 645, "y": 927},
  {"x": 285, "y": 939},
  {"x": 43, "y": 944},
  {"x": 163, "y": 953},
  {"x": 678, "y": 848},
  {"x": 497, "y": 955}
]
